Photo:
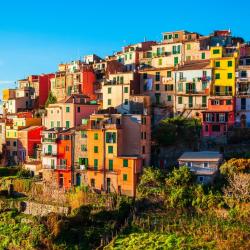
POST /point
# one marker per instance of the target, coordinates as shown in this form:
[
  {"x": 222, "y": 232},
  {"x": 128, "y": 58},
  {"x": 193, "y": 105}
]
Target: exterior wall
[
  {"x": 9, "y": 94},
  {"x": 159, "y": 88},
  {"x": 116, "y": 92},
  {"x": 88, "y": 81},
  {"x": 192, "y": 91},
  {"x": 193, "y": 51},
  {"x": 223, "y": 70},
  {"x": 57, "y": 115}
]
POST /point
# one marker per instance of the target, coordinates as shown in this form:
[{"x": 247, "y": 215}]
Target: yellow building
[
  {"x": 9, "y": 94},
  {"x": 12, "y": 136},
  {"x": 224, "y": 65}
]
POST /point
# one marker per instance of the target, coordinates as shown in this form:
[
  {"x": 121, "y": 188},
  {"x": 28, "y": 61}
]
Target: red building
[
  {"x": 218, "y": 117},
  {"x": 29, "y": 140},
  {"x": 88, "y": 82},
  {"x": 42, "y": 86},
  {"x": 65, "y": 160}
]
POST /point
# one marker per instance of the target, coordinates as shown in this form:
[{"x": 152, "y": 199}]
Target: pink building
[{"x": 69, "y": 112}]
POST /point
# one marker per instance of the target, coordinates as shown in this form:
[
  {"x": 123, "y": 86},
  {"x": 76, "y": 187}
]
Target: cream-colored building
[{"x": 192, "y": 88}]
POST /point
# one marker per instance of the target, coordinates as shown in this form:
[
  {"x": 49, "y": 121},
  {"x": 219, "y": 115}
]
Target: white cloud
[{"x": 7, "y": 82}]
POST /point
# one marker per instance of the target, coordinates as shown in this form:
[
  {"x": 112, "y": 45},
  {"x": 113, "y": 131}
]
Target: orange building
[{"x": 113, "y": 149}]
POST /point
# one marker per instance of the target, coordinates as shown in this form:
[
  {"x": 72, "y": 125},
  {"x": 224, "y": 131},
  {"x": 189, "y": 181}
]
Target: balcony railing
[
  {"x": 195, "y": 106},
  {"x": 53, "y": 140},
  {"x": 54, "y": 154},
  {"x": 61, "y": 167},
  {"x": 223, "y": 93},
  {"x": 51, "y": 167}
]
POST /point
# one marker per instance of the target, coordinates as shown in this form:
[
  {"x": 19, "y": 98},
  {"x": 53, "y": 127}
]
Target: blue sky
[{"x": 37, "y": 35}]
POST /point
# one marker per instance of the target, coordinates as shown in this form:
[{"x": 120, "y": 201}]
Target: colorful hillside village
[{"x": 90, "y": 122}]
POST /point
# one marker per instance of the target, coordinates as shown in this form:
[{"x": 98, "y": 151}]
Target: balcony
[
  {"x": 61, "y": 167},
  {"x": 195, "y": 106},
  {"x": 50, "y": 140},
  {"x": 183, "y": 79},
  {"x": 51, "y": 154},
  {"x": 243, "y": 79},
  {"x": 223, "y": 93},
  {"x": 49, "y": 167}
]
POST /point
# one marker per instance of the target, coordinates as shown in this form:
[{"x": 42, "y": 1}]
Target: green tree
[
  {"x": 179, "y": 188},
  {"x": 151, "y": 185},
  {"x": 234, "y": 166},
  {"x": 178, "y": 130},
  {"x": 50, "y": 100}
]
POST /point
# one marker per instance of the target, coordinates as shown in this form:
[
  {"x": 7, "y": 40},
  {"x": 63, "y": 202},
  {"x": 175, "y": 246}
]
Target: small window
[
  {"x": 126, "y": 90},
  {"x": 229, "y": 63},
  {"x": 111, "y": 165},
  {"x": 95, "y": 136},
  {"x": 145, "y": 76},
  {"x": 157, "y": 87},
  {"x": 169, "y": 73},
  {"x": 157, "y": 76},
  {"x": 67, "y": 109},
  {"x": 110, "y": 149},
  {"x": 217, "y": 76},
  {"x": 109, "y": 102},
  {"x": 109, "y": 90},
  {"x": 206, "y": 164},
  {"x": 126, "y": 102},
  {"x": 125, "y": 177},
  {"x": 228, "y": 102},
  {"x": 176, "y": 35},
  {"x": 216, "y": 51},
  {"x": 169, "y": 98},
  {"x": 188, "y": 46},
  {"x": 217, "y": 64},
  {"x": 92, "y": 183},
  {"x": 95, "y": 164},
  {"x": 179, "y": 99},
  {"x": 125, "y": 163},
  {"x": 203, "y": 55},
  {"x": 201, "y": 178},
  {"x": 78, "y": 109},
  {"x": 95, "y": 149},
  {"x": 230, "y": 75}
]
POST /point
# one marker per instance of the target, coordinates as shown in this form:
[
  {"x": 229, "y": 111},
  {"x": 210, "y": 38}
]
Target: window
[
  {"x": 228, "y": 102},
  {"x": 180, "y": 87},
  {"x": 126, "y": 102},
  {"x": 67, "y": 124},
  {"x": 201, "y": 178},
  {"x": 58, "y": 124},
  {"x": 67, "y": 109},
  {"x": 188, "y": 46},
  {"x": 78, "y": 109},
  {"x": 203, "y": 55},
  {"x": 179, "y": 99},
  {"x": 130, "y": 56},
  {"x": 83, "y": 148},
  {"x": 95, "y": 136},
  {"x": 95, "y": 149},
  {"x": 125, "y": 163},
  {"x": 176, "y": 60},
  {"x": 92, "y": 183},
  {"x": 206, "y": 164},
  {"x": 125, "y": 177},
  {"x": 109, "y": 102},
  {"x": 143, "y": 149},
  {"x": 110, "y": 165},
  {"x": 216, "y": 51},
  {"x": 160, "y": 62},
  {"x": 83, "y": 134},
  {"x": 176, "y": 35},
  {"x": 14, "y": 143},
  {"x": 109, "y": 90},
  {"x": 217, "y": 64},
  {"x": 188, "y": 58},
  {"x": 51, "y": 124},
  {"x": 110, "y": 149},
  {"x": 126, "y": 90},
  {"x": 157, "y": 87},
  {"x": 229, "y": 63},
  {"x": 145, "y": 76},
  {"x": 110, "y": 137},
  {"x": 230, "y": 75},
  {"x": 169, "y": 98},
  {"x": 169, "y": 73},
  {"x": 157, "y": 76},
  {"x": 204, "y": 101},
  {"x": 169, "y": 87},
  {"x": 217, "y": 76},
  {"x": 95, "y": 164}
]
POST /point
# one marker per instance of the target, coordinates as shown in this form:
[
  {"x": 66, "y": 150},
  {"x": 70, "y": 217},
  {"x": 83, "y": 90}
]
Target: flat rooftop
[{"x": 201, "y": 156}]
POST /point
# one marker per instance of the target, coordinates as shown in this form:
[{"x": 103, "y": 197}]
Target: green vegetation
[
  {"x": 186, "y": 215},
  {"x": 50, "y": 100},
  {"x": 178, "y": 130},
  {"x": 21, "y": 232}
]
